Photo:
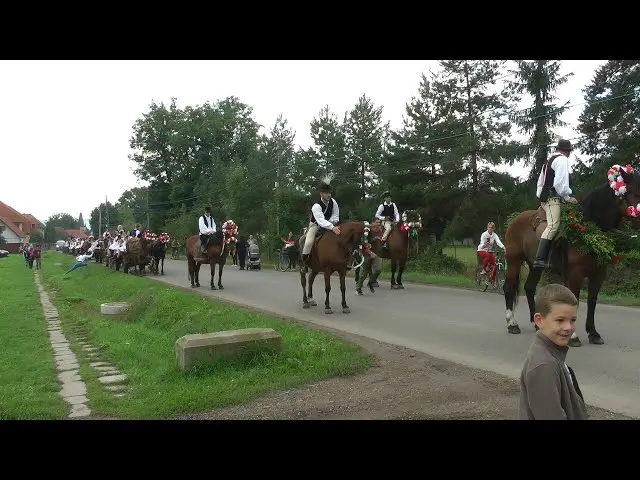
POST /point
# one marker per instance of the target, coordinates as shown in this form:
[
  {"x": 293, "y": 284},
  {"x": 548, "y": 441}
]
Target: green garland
[{"x": 586, "y": 236}]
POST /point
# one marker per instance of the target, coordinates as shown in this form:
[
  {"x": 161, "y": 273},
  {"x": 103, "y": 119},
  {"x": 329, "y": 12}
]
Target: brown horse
[
  {"x": 216, "y": 255},
  {"x": 330, "y": 253},
  {"x": 603, "y": 208},
  {"x": 398, "y": 247}
]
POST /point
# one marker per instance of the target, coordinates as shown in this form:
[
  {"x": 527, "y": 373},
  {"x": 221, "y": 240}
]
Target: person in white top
[
  {"x": 387, "y": 212},
  {"x": 485, "y": 249},
  {"x": 324, "y": 214},
  {"x": 207, "y": 227},
  {"x": 553, "y": 188},
  {"x": 81, "y": 261}
]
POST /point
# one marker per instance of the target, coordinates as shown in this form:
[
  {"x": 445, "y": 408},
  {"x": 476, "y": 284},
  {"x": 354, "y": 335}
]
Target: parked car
[{"x": 4, "y": 253}]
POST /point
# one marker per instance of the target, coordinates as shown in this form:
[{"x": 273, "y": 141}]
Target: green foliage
[
  {"x": 586, "y": 236},
  {"x": 433, "y": 260},
  {"x": 36, "y": 237}
]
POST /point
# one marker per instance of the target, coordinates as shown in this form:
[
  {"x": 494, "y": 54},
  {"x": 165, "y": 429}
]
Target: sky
[{"x": 65, "y": 125}]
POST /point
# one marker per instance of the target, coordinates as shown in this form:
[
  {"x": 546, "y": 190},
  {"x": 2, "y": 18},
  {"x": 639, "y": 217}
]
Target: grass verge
[
  {"x": 29, "y": 389},
  {"x": 142, "y": 345}
]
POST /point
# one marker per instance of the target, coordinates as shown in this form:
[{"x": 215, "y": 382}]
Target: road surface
[{"x": 462, "y": 326}]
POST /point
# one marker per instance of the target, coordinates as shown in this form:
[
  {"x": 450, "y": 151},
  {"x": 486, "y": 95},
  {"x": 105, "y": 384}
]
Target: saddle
[{"x": 538, "y": 222}]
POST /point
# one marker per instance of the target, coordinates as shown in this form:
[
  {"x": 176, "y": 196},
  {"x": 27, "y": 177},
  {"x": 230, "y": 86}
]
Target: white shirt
[
  {"x": 82, "y": 258},
  {"x": 204, "y": 230},
  {"x": 493, "y": 238},
  {"x": 395, "y": 211},
  {"x": 316, "y": 210},
  {"x": 561, "y": 180}
]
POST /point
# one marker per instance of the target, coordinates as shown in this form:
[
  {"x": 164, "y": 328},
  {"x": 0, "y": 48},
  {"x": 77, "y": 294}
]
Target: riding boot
[{"x": 542, "y": 254}]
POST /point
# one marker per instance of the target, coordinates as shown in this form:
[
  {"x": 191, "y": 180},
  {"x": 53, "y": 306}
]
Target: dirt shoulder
[{"x": 404, "y": 384}]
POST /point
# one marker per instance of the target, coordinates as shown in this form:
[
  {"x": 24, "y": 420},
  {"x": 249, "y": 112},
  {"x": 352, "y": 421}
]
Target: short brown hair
[{"x": 554, "y": 293}]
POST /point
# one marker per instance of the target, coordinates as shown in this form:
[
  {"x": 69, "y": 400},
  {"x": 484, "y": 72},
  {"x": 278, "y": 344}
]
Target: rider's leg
[
  {"x": 308, "y": 242},
  {"x": 552, "y": 209},
  {"x": 387, "y": 230},
  {"x": 203, "y": 240},
  {"x": 482, "y": 255}
]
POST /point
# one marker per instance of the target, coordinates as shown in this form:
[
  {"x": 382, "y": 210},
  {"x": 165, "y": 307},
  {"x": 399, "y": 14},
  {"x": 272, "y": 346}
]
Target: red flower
[
  {"x": 615, "y": 259},
  {"x": 572, "y": 215}
]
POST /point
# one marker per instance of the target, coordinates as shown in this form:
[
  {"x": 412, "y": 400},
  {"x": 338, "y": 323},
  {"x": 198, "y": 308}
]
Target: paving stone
[
  {"x": 111, "y": 379},
  {"x": 68, "y": 357},
  {"x": 89, "y": 349},
  {"x": 73, "y": 389},
  {"x": 63, "y": 351},
  {"x": 59, "y": 342},
  {"x": 104, "y": 368},
  {"x": 77, "y": 399},
  {"x": 116, "y": 388},
  {"x": 63, "y": 367},
  {"x": 70, "y": 376},
  {"x": 79, "y": 410},
  {"x": 99, "y": 364},
  {"x": 119, "y": 395}
]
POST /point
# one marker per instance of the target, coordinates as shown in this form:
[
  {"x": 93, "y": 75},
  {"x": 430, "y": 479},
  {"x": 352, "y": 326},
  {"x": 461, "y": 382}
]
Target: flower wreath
[
  {"x": 411, "y": 226},
  {"x": 230, "y": 231},
  {"x": 365, "y": 245},
  {"x": 616, "y": 182},
  {"x": 147, "y": 235},
  {"x": 164, "y": 237}
]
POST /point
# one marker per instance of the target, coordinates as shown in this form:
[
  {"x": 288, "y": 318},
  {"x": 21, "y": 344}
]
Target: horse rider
[
  {"x": 207, "y": 227},
  {"x": 137, "y": 232},
  {"x": 553, "y": 188},
  {"x": 325, "y": 214},
  {"x": 387, "y": 212}
]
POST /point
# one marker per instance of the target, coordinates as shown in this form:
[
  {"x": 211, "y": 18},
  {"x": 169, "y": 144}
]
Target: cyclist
[{"x": 485, "y": 249}]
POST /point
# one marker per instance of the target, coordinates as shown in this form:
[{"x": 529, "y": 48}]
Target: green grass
[
  {"x": 142, "y": 345},
  {"x": 29, "y": 388}
]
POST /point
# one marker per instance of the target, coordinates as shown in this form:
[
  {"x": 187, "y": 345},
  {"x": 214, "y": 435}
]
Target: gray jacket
[{"x": 548, "y": 387}]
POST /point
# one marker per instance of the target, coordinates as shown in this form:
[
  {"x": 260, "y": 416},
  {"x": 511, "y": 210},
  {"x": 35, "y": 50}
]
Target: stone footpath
[{"x": 74, "y": 389}]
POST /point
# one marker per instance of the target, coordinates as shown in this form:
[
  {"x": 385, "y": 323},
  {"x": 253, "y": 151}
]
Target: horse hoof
[
  {"x": 358, "y": 291},
  {"x": 220, "y": 287},
  {"x": 194, "y": 286},
  {"x": 513, "y": 329},
  {"x": 306, "y": 305},
  {"x": 213, "y": 287},
  {"x": 372, "y": 289},
  {"x": 346, "y": 310},
  {"x": 328, "y": 311},
  {"x": 575, "y": 342},
  {"x": 596, "y": 339},
  {"x": 197, "y": 284},
  {"x": 400, "y": 286},
  {"x": 313, "y": 303}
]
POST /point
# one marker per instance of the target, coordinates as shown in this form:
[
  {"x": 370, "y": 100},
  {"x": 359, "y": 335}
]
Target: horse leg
[
  {"x": 220, "y": 277},
  {"x": 191, "y": 264},
  {"x": 213, "y": 273},
  {"x": 197, "y": 273},
  {"x": 574, "y": 283},
  {"x": 393, "y": 274},
  {"x": 357, "y": 274},
  {"x": 327, "y": 290},
  {"x": 343, "y": 291},
  {"x": 303, "y": 282},
  {"x": 400, "y": 270},
  {"x": 162, "y": 273},
  {"x": 595, "y": 283},
  {"x": 511, "y": 292},
  {"x": 312, "y": 277},
  {"x": 533, "y": 278}
]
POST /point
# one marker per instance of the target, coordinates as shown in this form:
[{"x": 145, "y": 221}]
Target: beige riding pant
[
  {"x": 552, "y": 209},
  {"x": 308, "y": 240},
  {"x": 388, "y": 225}
]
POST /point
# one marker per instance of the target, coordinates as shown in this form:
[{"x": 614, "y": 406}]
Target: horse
[
  {"x": 216, "y": 255},
  {"x": 602, "y": 207},
  {"x": 398, "y": 246},
  {"x": 330, "y": 253}
]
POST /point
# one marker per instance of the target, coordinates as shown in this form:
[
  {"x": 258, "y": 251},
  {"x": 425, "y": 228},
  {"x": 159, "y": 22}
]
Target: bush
[
  {"x": 624, "y": 277},
  {"x": 432, "y": 260}
]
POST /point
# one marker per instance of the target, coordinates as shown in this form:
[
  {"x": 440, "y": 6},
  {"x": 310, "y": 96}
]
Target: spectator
[{"x": 548, "y": 386}]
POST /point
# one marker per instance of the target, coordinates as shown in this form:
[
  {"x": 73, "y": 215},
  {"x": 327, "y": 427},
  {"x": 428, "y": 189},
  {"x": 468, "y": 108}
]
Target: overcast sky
[{"x": 65, "y": 125}]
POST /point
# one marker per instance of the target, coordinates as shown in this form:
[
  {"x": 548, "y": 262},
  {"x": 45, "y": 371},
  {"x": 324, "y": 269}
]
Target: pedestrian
[{"x": 548, "y": 386}]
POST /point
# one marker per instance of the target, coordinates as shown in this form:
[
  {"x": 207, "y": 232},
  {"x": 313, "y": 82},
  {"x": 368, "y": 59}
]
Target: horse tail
[{"x": 516, "y": 289}]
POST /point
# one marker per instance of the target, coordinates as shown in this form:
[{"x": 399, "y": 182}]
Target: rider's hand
[
  {"x": 336, "y": 230},
  {"x": 572, "y": 200}
]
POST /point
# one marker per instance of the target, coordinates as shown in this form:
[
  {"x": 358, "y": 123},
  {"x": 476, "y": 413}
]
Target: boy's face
[{"x": 559, "y": 324}]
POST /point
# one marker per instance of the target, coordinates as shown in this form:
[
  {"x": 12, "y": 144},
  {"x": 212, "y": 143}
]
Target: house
[{"x": 16, "y": 227}]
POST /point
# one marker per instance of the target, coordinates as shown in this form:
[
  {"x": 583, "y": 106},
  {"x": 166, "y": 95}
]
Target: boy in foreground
[{"x": 548, "y": 387}]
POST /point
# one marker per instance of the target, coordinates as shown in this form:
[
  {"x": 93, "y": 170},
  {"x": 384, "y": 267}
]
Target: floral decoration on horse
[
  {"x": 147, "y": 235},
  {"x": 230, "y": 231},
  {"x": 411, "y": 222},
  {"x": 164, "y": 237}
]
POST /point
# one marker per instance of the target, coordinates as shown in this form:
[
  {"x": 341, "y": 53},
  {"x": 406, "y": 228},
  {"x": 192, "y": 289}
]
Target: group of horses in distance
[{"x": 335, "y": 253}]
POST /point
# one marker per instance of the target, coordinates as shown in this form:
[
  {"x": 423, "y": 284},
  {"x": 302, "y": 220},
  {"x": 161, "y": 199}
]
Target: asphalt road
[{"x": 462, "y": 326}]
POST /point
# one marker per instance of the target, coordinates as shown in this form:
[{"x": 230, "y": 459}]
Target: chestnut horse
[
  {"x": 398, "y": 247},
  {"x": 601, "y": 207},
  {"x": 216, "y": 255},
  {"x": 330, "y": 253}
]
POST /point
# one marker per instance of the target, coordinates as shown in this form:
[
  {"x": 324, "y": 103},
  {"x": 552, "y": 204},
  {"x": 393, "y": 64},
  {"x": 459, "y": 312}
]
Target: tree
[
  {"x": 62, "y": 220},
  {"x": 36, "y": 237},
  {"x": 539, "y": 79},
  {"x": 108, "y": 210},
  {"x": 463, "y": 93}
]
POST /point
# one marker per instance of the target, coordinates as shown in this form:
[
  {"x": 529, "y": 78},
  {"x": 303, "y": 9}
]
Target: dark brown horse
[
  {"x": 216, "y": 255},
  {"x": 603, "y": 208},
  {"x": 330, "y": 253},
  {"x": 398, "y": 246}
]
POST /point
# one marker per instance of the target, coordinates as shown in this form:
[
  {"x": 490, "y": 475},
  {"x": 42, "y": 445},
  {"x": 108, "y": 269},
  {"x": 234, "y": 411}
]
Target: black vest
[
  {"x": 387, "y": 211},
  {"x": 206, "y": 223},
  {"x": 326, "y": 210},
  {"x": 547, "y": 188}
]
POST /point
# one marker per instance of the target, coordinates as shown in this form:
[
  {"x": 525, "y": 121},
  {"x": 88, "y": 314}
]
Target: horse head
[
  {"x": 411, "y": 223},
  {"x": 352, "y": 235}
]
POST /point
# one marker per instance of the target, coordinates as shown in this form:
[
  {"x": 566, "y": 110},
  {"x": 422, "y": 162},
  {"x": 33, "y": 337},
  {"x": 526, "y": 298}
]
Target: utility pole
[
  {"x": 278, "y": 194},
  {"x": 99, "y": 221},
  {"x": 147, "y": 207},
  {"x": 106, "y": 203}
]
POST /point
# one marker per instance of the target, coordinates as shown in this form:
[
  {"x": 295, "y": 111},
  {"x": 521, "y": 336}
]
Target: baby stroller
[{"x": 254, "y": 257}]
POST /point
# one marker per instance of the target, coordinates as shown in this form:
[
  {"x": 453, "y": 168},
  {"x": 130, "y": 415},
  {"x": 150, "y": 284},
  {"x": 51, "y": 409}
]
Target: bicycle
[{"x": 482, "y": 281}]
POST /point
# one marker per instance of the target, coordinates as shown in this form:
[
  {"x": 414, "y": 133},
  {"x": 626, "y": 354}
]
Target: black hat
[
  {"x": 386, "y": 194},
  {"x": 564, "y": 145},
  {"x": 325, "y": 184}
]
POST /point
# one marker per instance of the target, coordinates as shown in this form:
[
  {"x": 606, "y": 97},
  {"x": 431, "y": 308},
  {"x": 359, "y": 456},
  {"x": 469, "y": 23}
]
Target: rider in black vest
[
  {"x": 207, "y": 228},
  {"x": 324, "y": 214},
  {"x": 387, "y": 213}
]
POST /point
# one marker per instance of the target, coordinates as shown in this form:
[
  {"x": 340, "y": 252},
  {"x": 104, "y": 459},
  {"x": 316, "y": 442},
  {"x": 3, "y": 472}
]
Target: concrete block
[
  {"x": 209, "y": 347},
  {"x": 114, "y": 308}
]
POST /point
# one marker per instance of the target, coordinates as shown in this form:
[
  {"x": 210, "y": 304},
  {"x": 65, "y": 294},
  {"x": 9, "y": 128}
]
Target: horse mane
[{"x": 600, "y": 207}]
